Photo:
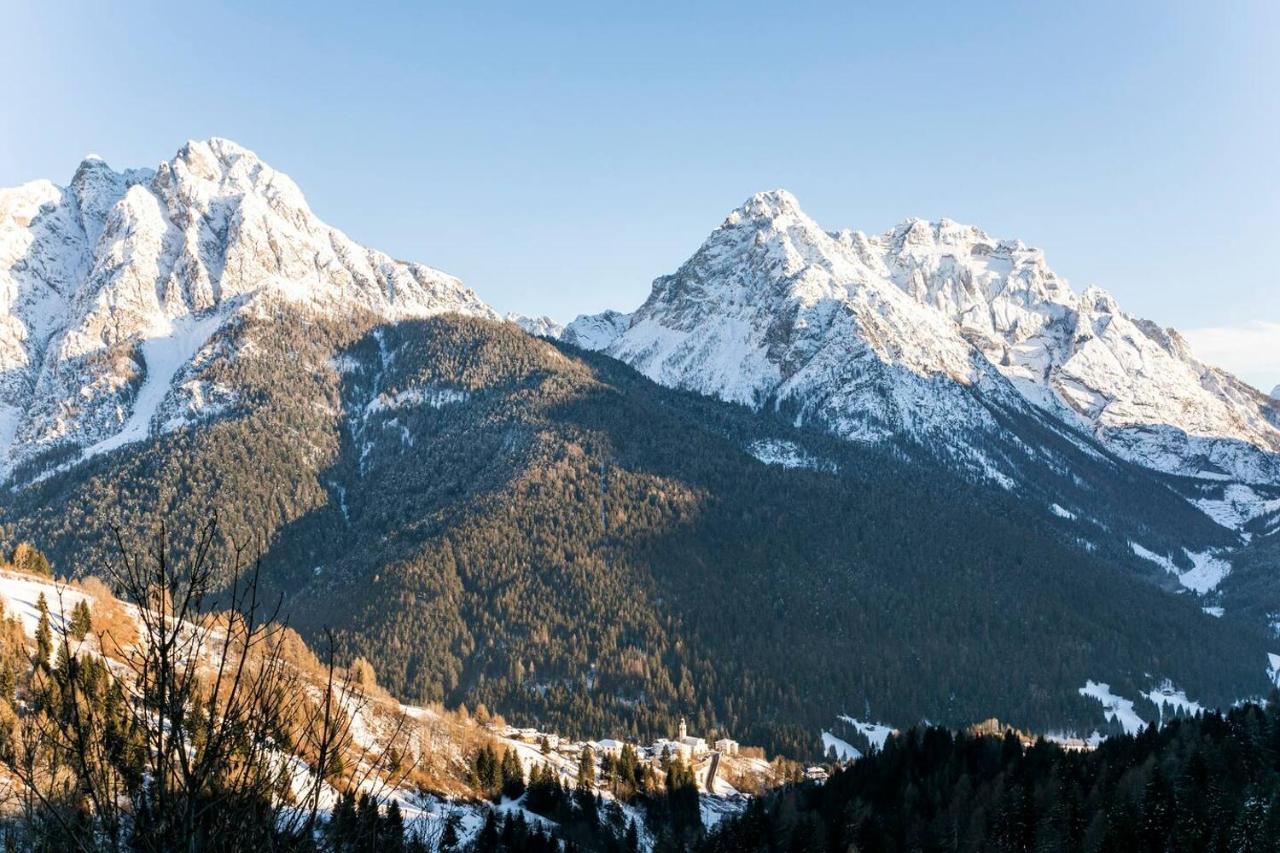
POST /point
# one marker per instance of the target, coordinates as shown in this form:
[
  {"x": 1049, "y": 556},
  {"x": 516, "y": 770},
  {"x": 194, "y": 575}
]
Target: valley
[{"x": 822, "y": 493}]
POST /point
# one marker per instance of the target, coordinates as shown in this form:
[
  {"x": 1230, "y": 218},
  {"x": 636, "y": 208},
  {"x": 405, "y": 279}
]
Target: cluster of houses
[{"x": 684, "y": 746}]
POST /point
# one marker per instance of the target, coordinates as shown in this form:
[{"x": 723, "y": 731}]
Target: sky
[{"x": 559, "y": 157}]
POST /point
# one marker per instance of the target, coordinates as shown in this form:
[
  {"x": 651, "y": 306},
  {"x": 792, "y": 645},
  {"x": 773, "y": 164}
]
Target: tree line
[{"x": 1205, "y": 783}]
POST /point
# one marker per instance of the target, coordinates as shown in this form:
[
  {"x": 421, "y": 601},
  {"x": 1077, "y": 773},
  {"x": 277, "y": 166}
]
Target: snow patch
[
  {"x": 10, "y": 419},
  {"x": 165, "y": 355},
  {"x": 876, "y": 733},
  {"x": 1238, "y": 506},
  {"x": 1167, "y": 694},
  {"x": 1114, "y": 707},
  {"x": 788, "y": 454},
  {"x": 1206, "y": 572},
  {"x": 436, "y": 398},
  {"x": 20, "y": 595},
  {"x": 844, "y": 751}
]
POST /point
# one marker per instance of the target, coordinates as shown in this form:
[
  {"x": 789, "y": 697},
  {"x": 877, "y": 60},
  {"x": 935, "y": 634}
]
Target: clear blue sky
[{"x": 558, "y": 159}]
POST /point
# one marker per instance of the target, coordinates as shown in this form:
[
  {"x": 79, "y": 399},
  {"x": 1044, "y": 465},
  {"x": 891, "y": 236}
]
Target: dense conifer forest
[
  {"x": 489, "y": 517},
  {"x": 1209, "y": 783}
]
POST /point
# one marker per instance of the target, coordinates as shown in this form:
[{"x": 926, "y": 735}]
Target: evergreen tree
[
  {"x": 44, "y": 635},
  {"x": 368, "y": 822},
  {"x": 449, "y": 837},
  {"x": 586, "y": 769},
  {"x": 512, "y": 775},
  {"x": 342, "y": 828},
  {"x": 393, "y": 830},
  {"x": 487, "y": 839},
  {"x": 81, "y": 620}
]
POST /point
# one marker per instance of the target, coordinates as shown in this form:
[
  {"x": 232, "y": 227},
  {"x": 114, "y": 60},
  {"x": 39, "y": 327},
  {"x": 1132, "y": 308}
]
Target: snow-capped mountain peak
[
  {"x": 543, "y": 326},
  {"x": 111, "y": 286},
  {"x": 857, "y": 330},
  {"x": 770, "y": 205},
  {"x": 772, "y": 307}
]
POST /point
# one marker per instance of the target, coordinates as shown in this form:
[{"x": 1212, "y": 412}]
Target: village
[{"x": 708, "y": 760}]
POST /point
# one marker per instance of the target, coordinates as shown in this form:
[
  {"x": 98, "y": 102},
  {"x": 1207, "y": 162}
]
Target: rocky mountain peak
[
  {"x": 766, "y": 206},
  {"x": 844, "y": 325},
  {"x": 111, "y": 287},
  {"x": 1096, "y": 299}
]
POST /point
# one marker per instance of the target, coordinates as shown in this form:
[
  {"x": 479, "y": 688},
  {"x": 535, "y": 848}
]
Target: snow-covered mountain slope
[
  {"x": 114, "y": 289},
  {"x": 596, "y": 331},
  {"x": 920, "y": 330},
  {"x": 542, "y": 326},
  {"x": 772, "y": 308}
]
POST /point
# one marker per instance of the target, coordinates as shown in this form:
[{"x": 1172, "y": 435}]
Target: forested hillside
[
  {"x": 1208, "y": 783},
  {"x": 490, "y": 517}
]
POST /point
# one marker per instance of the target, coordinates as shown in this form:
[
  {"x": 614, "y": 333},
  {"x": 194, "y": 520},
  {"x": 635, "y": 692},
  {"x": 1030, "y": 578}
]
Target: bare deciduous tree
[{"x": 202, "y": 735}]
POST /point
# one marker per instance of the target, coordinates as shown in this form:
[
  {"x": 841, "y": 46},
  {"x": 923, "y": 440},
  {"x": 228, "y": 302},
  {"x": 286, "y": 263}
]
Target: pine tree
[
  {"x": 393, "y": 830},
  {"x": 44, "y": 635},
  {"x": 367, "y": 821},
  {"x": 449, "y": 838},
  {"x": 342, "y": 825},
  {"x": 487, "y": 840},
  {"x": 81, "y": 620},
  {"x": 586, "y": 769},
  {"x": 512, "y": 775}
]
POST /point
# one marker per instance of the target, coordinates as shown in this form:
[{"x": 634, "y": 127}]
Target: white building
[
  {"x": 725, "y": 746},
  {"x": 697, "y": 746},
  {"x": 609, "y": 746},
  {"x": 671, "y": 748}
]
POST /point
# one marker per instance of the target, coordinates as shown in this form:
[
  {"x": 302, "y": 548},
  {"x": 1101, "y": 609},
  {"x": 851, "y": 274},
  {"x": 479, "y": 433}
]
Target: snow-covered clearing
[
  {"x": 876, "y": 733},
  {"x": 1114, "y": 707},
  {"x": 20, "y": 595},
  {"x": 1206, "y": 572},
  {"x": 1238, "y": 506},
  {"x": 1168, "y": 694},
  {"x": 844, "y": 751}
]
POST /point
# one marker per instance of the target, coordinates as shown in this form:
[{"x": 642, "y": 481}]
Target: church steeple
[{"x": 684, "y": 730}]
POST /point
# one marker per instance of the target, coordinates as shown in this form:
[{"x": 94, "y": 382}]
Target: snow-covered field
[
  {"x": 1206, "y": 572},
  {"x": 1114, "y": 707}
]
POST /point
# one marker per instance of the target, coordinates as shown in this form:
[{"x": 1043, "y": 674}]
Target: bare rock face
[
  {"x": 921, "y": 330},
  {"x": 115, "y": 288}
]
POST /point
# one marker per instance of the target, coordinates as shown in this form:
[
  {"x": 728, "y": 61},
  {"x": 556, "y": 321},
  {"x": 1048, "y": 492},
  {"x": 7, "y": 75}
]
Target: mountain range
[
  {"x": 878, "y": 336},
  {"x": 959, "y": 342},
  {"x": 904, "y": 476}
]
